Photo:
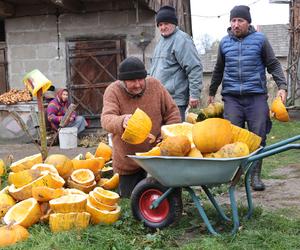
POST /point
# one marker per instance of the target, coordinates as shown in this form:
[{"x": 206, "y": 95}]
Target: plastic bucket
[
  {"x": 35, "y": 81},
  {"x": 68, "y": 138}
]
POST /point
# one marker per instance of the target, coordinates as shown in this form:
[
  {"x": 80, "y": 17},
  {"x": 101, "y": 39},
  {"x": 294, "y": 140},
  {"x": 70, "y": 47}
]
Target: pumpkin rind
[
  {"x": 24, "y": 213},
  {"x": 103, "y": 150},
  {"x": 62, "y": 163},
  {"x": 237, "y": 149},
  {"x": 67, "y": 221},
  {"x": 103, "y": 216},
  {"x": 68, "y": 203},
  {"x": 26, "y": 163},
  {"x": 194, "y": 152},
  {"x": 99, "y": 205},
  {"x": 111, "y": 183},
  {"x": 155, "y": 151},
  {"x": 243, "y": 135},
  {"x": 106, "y": 196},
  {"x": 25, "y": 192},
  {"x": 213, "y": 110},
  {"x": 6, "y": 202},
  {"x": 84, "y": 188},
  {"x": 83, "y": 177},
  {"x": 46, "y": 193},
  {"x": 93, "y": 164},
  {"x": 211, "y": 134},
  {"x": 279, "y": 110},
  {"x": 23, "y": 177},
  {"x": 12, "y": 234},
  {"x": 191, "y": 118},
  {"x": 175, "y": 129},
  {"x": 138, "y": 128},
  {"x": 175, "y": 146},
  {"x": 2, "y": 168},
  {"x": 45, "y": 167}
]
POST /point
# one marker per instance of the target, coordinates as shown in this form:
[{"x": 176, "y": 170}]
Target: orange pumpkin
[
  {"x": 279, "y": 110},
  {"x": 211, "y": 134}
]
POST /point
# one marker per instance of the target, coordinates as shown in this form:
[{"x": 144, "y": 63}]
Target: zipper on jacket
[{"x": 239, "y": 65}]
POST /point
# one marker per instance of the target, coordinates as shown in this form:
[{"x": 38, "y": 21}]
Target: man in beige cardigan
[{"x": 121, "y": 98}]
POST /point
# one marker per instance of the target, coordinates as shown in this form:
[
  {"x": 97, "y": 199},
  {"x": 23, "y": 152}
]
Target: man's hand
[
  {"x": 193, "y": 102},
  {"x": 211, "y": 99},
  {"x": 125, "y": 121},
  {"x": 282, "y": 93},
  {"x": 71, "y": 119}
]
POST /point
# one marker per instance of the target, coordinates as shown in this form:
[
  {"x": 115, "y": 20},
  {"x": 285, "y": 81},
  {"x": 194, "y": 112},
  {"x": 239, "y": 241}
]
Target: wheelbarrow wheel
[{"x": 168, "y": 211}]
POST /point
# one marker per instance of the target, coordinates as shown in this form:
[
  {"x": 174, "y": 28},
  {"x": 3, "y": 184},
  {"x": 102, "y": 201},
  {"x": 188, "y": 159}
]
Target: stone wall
[{"x": 32, "y": 40}]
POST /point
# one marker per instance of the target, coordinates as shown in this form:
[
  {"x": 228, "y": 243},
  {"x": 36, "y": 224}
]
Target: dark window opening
[{"x": 2, "y": 30}]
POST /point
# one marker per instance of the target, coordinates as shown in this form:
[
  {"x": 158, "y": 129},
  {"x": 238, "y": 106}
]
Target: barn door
[
  {"x": 91, "y": 66},
  {"x": 3, "y": 68}
]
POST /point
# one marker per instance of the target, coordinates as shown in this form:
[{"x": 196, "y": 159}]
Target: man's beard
[{"x": 132, "y": 95}]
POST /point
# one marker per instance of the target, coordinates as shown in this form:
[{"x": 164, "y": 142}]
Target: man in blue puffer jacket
[
  {"x": 243, "y": 56},
  {"x": 176, "y": 62}
]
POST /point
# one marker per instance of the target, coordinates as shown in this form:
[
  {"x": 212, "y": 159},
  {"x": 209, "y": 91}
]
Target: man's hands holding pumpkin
[
  {"x": 125, "y": 120},
  {"x": 193, "y": 102},
  {"x": 282, "y": 93}
]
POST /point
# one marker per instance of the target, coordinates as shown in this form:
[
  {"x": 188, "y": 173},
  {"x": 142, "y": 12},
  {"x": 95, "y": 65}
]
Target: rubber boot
[{"x": 256, "y": 182}]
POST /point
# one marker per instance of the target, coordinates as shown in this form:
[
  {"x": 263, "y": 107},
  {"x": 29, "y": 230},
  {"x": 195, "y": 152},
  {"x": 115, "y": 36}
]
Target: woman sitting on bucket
[{"x": 58, "y": 107}]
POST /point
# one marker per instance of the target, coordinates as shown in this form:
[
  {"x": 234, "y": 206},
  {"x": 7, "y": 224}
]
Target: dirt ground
[
  {"x": 20, "y": 151},
  {"x": 283, "y": 192},
  {"x": 280, "y": 193}
]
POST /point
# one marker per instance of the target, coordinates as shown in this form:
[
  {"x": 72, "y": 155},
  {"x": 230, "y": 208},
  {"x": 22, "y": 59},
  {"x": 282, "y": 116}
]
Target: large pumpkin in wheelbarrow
[{"x": 167, "y": 212}]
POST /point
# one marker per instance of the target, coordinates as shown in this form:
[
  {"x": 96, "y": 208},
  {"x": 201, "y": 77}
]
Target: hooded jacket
[{"x": 177, "y": 65}]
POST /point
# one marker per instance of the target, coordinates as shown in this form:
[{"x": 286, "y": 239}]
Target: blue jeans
[
  {"x": 252, "y": 110},
  {"x": 79, "y": 123}
]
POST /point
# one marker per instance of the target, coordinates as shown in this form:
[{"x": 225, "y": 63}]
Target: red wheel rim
[{"x": 158, "y": 214}]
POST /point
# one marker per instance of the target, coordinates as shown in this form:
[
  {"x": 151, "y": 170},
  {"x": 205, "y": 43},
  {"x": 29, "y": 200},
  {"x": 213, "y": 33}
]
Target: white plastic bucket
[{"x": 68, "y": 138}]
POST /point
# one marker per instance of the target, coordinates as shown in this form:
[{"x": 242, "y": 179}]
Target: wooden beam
[
  {"x": 71, "y": 5},
  {"x": 6, "y": 9}
]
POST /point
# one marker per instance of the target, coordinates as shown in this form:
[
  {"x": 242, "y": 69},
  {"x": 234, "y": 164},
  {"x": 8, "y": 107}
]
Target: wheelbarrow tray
[{"x": 174, "y": 171}]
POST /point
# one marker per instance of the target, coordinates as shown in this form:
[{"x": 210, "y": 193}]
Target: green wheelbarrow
[{"x": 156, "y": 200}]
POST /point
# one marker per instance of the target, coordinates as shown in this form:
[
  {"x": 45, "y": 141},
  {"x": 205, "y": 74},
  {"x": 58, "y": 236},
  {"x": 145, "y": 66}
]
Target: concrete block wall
[{"x": 32, "y": 40}]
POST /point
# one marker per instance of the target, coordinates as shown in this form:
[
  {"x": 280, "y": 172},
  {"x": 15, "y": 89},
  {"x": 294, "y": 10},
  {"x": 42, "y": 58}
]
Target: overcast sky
[{"x": 205, "y": 14}]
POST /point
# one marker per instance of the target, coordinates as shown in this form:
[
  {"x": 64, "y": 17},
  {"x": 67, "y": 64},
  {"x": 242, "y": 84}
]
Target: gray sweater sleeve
[
  {"x": 217, "y": 75},
  {"x": 273, "y": 65}
]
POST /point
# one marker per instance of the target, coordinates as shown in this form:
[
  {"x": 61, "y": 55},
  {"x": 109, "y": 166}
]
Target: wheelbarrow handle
[
  {"x": 281, "y": 143},
  {"x": 270, "y": 152}
]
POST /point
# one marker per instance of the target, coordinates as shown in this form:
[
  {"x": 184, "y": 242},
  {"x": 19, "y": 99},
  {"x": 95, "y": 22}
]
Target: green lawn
[{"x": 266, "y": 230}]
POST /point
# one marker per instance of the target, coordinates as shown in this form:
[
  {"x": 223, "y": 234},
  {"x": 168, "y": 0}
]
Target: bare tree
[{"x": 203, "y": 43}]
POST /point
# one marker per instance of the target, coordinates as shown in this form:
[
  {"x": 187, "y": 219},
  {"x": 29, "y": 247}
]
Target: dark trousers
[
  {"x": 252, "y": 110},
  {"x": 182, "y": 110},
  {"x": 128, "y": 182}
]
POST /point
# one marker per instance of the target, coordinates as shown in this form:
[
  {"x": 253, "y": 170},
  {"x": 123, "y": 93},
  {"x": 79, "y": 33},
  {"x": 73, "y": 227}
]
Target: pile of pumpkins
[
  {"x": 205, "y": 134},
  {"x": 66, "y": 193},
  {"x": 209, "y": 138}
]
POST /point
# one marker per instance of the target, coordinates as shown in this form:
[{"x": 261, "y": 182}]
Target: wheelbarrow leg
[
  {"x": 215, "y": 204},
  {"x": 201, "y": 211},
  {"x": 235, "y": 216},
  {"x": 248, "y": 193},
  {"x": 156, "y": 203}
]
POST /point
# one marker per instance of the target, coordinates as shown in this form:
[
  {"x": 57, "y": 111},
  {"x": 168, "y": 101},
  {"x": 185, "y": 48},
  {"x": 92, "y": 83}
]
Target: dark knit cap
[
  {"x": 132, "y": 68},
  {"x": 241, "y": 11},
  {"x": 166, "y": 14}
]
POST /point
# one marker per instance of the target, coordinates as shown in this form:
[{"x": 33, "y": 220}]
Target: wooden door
[
  {"x": 3, "y": 68},
  {"x": 91, "y": 66}
]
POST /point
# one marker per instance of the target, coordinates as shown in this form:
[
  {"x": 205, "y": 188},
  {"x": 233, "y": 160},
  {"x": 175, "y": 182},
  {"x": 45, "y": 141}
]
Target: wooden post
[
  {"x": 42, "y": 122},
  {"x": 294, "y": 54}
]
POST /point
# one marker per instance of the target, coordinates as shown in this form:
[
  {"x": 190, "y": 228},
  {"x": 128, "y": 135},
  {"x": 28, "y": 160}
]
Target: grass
[
  {"x": 265, "y": 230},
  {"x": 281, "y": 131}
]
